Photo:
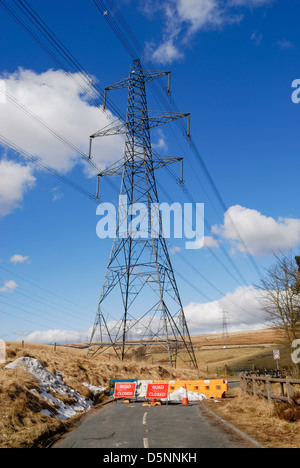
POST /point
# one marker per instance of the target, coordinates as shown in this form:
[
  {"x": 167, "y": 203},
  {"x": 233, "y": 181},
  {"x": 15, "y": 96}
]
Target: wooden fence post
[
  {"x": 254, "y": 386},
  {"x": 269, "y": 388},
  {"x": 289, "y": 390}
]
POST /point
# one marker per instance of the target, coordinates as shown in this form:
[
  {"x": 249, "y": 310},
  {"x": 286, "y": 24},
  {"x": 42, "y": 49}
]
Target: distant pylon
[
  {"x": 140, "y": 288},
  {"x": 225, "y": 333}
]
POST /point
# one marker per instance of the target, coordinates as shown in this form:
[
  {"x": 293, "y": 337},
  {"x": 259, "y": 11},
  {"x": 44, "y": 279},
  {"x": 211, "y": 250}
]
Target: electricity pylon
[
  {"x": 150, "y": 311},
  {"x": 225, "y": 333}
]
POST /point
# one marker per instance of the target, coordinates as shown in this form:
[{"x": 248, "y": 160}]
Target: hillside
[{"x": 64, "y": 378}]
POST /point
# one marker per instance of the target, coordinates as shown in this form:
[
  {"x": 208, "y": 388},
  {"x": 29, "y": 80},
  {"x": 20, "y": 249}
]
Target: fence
[{"x": 271, "y": 388}]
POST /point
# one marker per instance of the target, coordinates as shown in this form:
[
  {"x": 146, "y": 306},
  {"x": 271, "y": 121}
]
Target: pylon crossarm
[
  {"x": 162, "y": 118},
  {"x": 126, "y": 81},
  {"x": 153, "y": 122},
  {"x": 111, "y": 129},
  {"x": 159, "y": 162}
]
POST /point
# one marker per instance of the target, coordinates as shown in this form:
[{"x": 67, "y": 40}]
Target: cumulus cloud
[
  {"x": 56, "y": 100},
  {"x": 15, "y": 180},
  {"x": 59, "y": 102},
  {"x": 284, "y": 44},
  {"x": 54, "y": 336},
  {"x": 185, "y": 18},
  {"x": 19, "y": 259},
  {"x": 208, "y": 242},
  {"x": 9, "y": 286},
  {"x": 243, "y": 307},
  {"x": 166, "y": 53},
  {"x": 261, "y": 235}
]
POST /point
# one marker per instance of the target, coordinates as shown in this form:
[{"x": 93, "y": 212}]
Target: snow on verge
[
  {"x": 55, "y": 383},
  {"x": 178, "y": 395}
]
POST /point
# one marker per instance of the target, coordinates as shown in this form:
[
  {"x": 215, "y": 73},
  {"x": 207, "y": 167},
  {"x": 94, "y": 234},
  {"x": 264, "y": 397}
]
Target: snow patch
[
  {"x": 94, "y": 389},
  {"x": 54, "y": 383},
  {"x": 178, "y": 395}
]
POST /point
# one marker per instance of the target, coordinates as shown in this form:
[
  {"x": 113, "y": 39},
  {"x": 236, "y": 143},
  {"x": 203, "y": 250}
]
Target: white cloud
[
  {"x": 262, "y": 235},
  {"x": 20, "y": 259},
  {"x": 9, "y": 286},
  {"x": 243, "y": 307},
  {"x": 55, "y": 336},
  {"x": 207, "y": 242},
  {"x": 256, "y": 37},
  {"x": 211, "y": 242},
  {"x": 250, "y": 3},
  {"x": 200, "y": 14},
  {"x": 162, "y": 144},
  {"x": 176, "y": 249},
  {"x": 284, "y": 44},
  {"x": 58, "y": 101},
  {"x": 56, "y": 194},
  {"x": 185, "y": 18},
  {"x": 166, "y": 53},
  {"x": 15, "y": 180}
]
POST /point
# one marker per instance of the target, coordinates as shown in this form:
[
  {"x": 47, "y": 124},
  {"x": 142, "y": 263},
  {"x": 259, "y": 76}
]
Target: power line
[
  {"x": 61, "y": 56},
  {"x": 64, "y": 52},
  {"x": 49, "y": 30},
  {"x": 137, "y": 50},
  {"x": 50, "y": 170}
]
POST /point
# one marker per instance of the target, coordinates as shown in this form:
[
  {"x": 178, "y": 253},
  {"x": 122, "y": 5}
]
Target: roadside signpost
[{"x": 276, "y": 356}]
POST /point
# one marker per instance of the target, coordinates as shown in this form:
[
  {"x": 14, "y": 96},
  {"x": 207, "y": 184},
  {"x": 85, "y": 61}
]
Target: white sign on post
[{"x": 276, "y": 354}]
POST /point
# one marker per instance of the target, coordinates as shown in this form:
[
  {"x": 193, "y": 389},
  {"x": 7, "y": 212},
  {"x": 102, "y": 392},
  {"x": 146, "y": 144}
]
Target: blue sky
[{"x": 233, "y": 63}]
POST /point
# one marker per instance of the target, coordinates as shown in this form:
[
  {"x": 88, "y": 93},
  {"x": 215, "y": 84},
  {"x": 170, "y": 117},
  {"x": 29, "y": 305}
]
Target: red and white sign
[
  {"x": 158, "y": 391},
  {"x": 124, "y": 389}
]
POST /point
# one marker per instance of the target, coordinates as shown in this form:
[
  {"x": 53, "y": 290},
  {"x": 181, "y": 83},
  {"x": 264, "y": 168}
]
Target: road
[{"x": 119, "y": 425}]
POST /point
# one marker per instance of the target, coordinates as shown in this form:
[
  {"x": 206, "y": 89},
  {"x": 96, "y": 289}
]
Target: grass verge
[{"x": 273, "y": 425}]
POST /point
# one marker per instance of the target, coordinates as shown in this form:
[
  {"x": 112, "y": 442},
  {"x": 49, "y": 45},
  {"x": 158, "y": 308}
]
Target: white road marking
[
  {"x": 146, "y": 443},
  {"x": 145, "y": 419}
]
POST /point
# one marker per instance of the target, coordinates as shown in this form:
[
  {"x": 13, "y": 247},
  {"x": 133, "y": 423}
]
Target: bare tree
[{"x": 281, "y": 296}]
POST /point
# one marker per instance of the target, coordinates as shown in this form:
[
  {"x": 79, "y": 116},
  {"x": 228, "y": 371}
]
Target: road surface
[{"x": 118, "y": 425}]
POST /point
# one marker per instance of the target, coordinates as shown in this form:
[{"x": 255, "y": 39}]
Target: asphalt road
[{"x": 118, "y": 425}]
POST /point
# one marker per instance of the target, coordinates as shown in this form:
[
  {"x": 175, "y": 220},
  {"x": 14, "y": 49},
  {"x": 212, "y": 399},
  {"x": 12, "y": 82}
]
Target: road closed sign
[
  {"x": 158, "y": 391},
  {"x": 124, "y": 389}
]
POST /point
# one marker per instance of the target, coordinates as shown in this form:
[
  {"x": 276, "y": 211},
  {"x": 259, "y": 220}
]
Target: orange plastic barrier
[{"x": 215, "y": 388}]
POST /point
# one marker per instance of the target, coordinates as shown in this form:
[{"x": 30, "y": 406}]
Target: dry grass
[
  {"x": 273, "y": 425},
  {"x": 21, "y": 421},
  {"x": 23, "y": 425}
]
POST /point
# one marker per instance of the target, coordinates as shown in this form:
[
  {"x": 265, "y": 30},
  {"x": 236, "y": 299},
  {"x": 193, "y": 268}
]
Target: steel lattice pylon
[{"x": 150, "y": 311}]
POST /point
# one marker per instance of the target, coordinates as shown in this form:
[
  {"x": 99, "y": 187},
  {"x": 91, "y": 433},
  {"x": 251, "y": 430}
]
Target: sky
[{"x": 234, "y": 67}]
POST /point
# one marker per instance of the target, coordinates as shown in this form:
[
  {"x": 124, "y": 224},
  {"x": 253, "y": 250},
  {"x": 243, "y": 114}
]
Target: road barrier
[
  {"x": 113, "y": 382},
  {"x": 216, "y": 388},
  {"x": 157, "y": 391},
  {"x": 125, "y": 390}
]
